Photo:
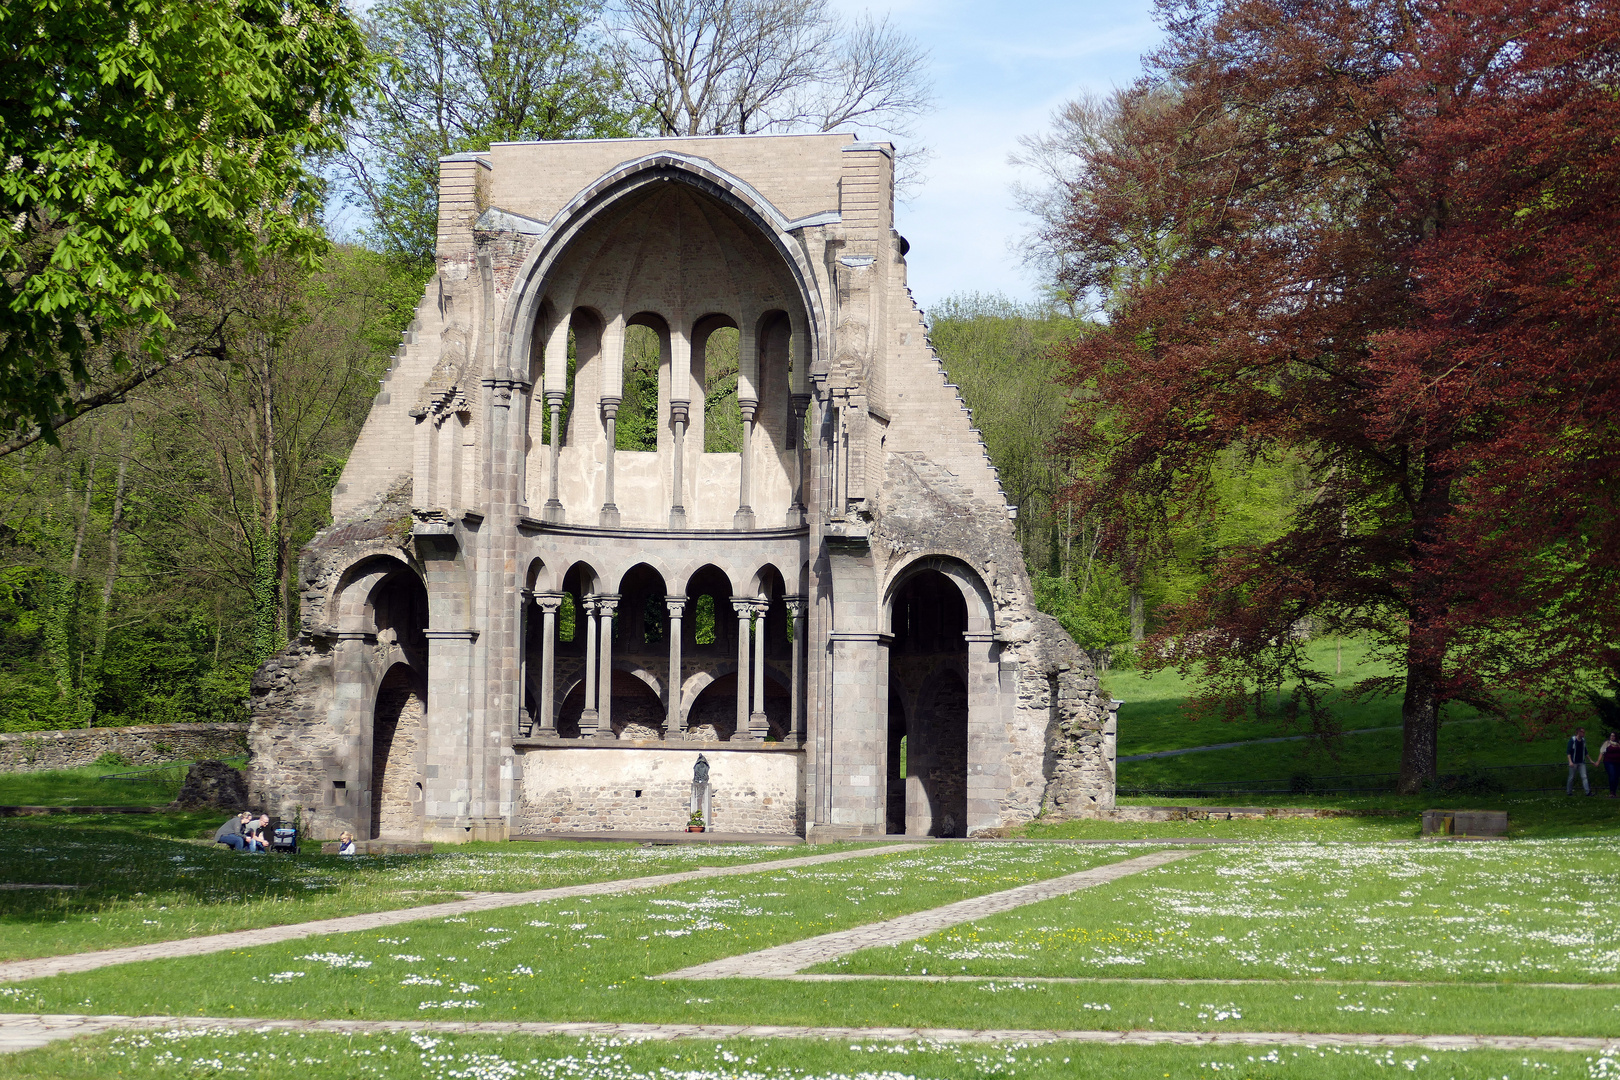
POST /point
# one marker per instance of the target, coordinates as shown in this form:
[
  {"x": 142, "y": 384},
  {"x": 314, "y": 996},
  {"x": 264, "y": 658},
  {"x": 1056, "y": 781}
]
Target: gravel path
[
  {"x": 783, "y": 961},
  {"x": 20, "y": 970},
  {"x": 27, "y": 1032}
]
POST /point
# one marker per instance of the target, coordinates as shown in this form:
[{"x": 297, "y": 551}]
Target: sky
[{"x": 1000, "y": 71}]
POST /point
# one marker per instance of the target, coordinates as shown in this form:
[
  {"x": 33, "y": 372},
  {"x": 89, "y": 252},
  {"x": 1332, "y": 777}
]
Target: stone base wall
[
  {"x": 595, "y": 789},
  {"x": 146, "y": 744}
]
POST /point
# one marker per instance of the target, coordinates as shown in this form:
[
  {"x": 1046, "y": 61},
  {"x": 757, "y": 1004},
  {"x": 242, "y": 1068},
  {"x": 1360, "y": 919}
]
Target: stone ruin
[{"x": 516, "y": 626}]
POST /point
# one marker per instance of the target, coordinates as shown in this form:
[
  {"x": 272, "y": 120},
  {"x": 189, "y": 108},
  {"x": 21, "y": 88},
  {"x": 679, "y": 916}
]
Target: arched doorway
[
  {"x": 927, "y": 664},
  {"x": 396, "y": 748}
]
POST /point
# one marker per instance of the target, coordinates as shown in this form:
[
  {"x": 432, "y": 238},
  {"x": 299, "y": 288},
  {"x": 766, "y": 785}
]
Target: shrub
[{"x": 112, "y": 759}]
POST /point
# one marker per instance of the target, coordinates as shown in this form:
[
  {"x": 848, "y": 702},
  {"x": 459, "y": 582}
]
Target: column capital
[
  {"x": 679, "y": 410},
  {"x": 610, "y": 406},
  {"x": 549, "y": 602},
  {"x": 750, "y": 607},
  {"x": 556, "y": 397},
  {"x": 747, "y": 406},
  {"x": 675, "y": 605},
  {"x": 796, "y": 603},
  {"x": 607, "y": 603}
]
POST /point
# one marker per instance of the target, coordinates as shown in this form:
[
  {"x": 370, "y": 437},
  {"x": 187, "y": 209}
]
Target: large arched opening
[
  {"x": 927, "y": 667},
  {"x": 397, "y": 741}
]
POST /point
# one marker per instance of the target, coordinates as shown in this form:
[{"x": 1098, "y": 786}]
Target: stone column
[
  {"x": 987, "y": 779},
  {"x": 678, "y": 416},
  {"x": 796, "y": 439},
  {"x": 607, "y": 605},
  {"x": 553, "y": 511},
  {"x": 588, "y": 717},
  {"x": 744, "y": 518},
  {"x": 758, "y": 725},
  {"x": 796, "y": 608},
  {"x": 546, "y": 711},
  {"x": 610, "y": 415},
  {"x": 673, "y": 727},
  {"x": 745, "y": 611},
  {"x": 556, "y": 389}
]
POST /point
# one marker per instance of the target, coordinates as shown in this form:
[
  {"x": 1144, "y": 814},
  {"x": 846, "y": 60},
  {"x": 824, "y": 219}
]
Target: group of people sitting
[{"x": 244, "y": 832}]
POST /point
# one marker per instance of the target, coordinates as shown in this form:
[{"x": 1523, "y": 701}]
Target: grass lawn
[
  {"x": 81, "y": 787},
  {"x": 576, "y": 959},
  {"x": 1152, "y": 719},
  {"x": 140, "y": 878},
  {"x": 274, "y": 1055},
  {"x": 1534, "y": 912},
  {"x": 1531, "y": 815}
]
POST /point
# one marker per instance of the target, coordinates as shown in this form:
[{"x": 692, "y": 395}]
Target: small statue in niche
[{"x": 700, "y": 771}]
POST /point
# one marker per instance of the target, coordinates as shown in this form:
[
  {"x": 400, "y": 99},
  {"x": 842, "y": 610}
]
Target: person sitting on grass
[
  {"x": 253, "y": 833},
  {"x": 230, "y": 833},
  {"x": 346, "y": 843},
  {"x": 1609, "y": 758}
]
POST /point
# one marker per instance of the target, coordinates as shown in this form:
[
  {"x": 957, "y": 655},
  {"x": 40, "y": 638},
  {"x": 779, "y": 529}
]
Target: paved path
[
  {"x": 1080, "y": 979},
  {"x": 783, "y": 961},
  {"x": 25, "y": 1032},
  {"x": 19, "y": 970}
]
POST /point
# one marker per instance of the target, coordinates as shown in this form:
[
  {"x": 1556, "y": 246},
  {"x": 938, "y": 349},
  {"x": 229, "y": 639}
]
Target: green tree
[
  {"x": 458, "y": 75},
  {"x": 140, "y": 141}
]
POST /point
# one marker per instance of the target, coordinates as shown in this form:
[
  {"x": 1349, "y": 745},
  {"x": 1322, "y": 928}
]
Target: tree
[
  {"x": 730, "y": 67},
  {"x": 460, "y": 75},
  {"x": 140, "y": 141},
  {"x": 1316, "y": 246}
]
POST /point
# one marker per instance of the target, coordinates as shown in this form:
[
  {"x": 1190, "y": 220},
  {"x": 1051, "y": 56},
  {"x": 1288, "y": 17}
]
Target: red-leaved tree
[{"x": 1378, "y": 235}]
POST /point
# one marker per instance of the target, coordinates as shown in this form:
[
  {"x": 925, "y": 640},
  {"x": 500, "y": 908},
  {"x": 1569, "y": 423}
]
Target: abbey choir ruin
[{"x": 515, "y": 626}]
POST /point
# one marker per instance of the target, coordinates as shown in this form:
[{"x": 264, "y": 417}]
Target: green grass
[
  {"x": 1154, "y": 719},
  {"x": 272, "y": 1055},
  {"x": 395, "y": 1056},
  {"x": 155, "y": 877},
  {"x": 80, "y": 787},
  {"x": 1531, "y": 815},
  {"x": 1507, "y": 912},
  {"x": 518, "y": 961},
  {"x": 604, "y": 958}
]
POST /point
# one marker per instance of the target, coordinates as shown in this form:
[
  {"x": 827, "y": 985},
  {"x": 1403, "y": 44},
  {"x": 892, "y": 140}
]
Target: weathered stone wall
[
  {"x": 594, "y": 789},
  {"x": 298, "y": 758},
  {"x": 146, "y": 744}
]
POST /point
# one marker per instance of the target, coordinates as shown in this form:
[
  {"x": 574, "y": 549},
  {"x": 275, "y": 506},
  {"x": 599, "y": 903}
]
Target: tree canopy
[
  {"x": 138, "y": 142},
  {"x": 1375, "y": 237}
]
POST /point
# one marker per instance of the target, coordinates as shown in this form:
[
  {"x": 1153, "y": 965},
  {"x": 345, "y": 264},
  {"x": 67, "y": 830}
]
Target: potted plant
[{"x": 695, "y": 822}]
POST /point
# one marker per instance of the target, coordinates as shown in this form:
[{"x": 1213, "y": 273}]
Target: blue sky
[{"x": 1000, "y": 71}]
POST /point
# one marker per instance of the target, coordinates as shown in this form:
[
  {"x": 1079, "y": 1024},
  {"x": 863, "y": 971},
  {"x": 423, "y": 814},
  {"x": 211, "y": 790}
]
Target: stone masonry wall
[
  {"x": 591, "y": 789},
  {"x": 147, "y": 744}
]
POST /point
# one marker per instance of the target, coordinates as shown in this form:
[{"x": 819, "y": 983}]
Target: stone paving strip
[
  {"x": 784, "y": 961},
  {"x": 41, "y": 967},
  {"x": 1077, "y": 979},
  {"x": 27, "y": 1032}
]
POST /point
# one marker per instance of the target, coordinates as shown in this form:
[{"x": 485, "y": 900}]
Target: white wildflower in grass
[
  {"x": 420, "y": 980},
  {"x": 338, "y": 960},
  {"x": 406, "y": 958}
]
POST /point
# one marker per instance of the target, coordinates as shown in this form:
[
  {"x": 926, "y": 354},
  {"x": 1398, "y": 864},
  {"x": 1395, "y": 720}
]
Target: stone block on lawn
[
  {"x": 1465, "y": 823},
  {"x": 212, "y": 784}
]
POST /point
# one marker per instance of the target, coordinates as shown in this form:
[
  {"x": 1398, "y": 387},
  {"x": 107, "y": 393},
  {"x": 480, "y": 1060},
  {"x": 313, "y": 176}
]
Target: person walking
[
  {"x": 1609, "y": 758},
  {"x": 1575, "y": 754}
]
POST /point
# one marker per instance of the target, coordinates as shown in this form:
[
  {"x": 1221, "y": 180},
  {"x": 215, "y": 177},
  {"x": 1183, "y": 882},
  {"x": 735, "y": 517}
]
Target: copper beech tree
[{"x": 1378, "y": 236}]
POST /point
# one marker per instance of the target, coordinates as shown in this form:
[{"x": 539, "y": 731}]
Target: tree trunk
[
  {"x": 1420, "y": 719},
  {"x": 1138, "y": 617},
  {"x": 1426, "y": 639}
]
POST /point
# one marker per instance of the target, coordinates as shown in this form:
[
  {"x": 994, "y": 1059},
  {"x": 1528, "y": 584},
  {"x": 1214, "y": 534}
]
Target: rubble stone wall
[{"x": 145, "y": 744}]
